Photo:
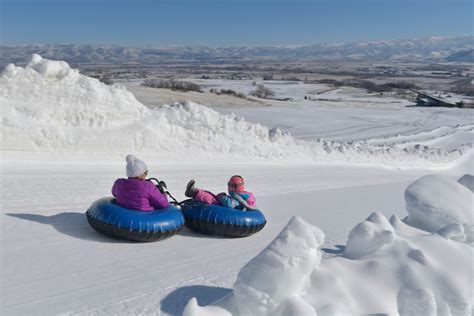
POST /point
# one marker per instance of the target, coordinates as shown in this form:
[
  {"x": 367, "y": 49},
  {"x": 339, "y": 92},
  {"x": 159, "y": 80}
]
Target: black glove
[{"x": 162, "y": 186}]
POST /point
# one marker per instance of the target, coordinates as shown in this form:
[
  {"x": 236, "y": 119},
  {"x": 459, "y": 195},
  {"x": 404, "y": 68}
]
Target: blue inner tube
[
  {"x": 222, "y": 221},
  {"x": 106, "y": 217}
]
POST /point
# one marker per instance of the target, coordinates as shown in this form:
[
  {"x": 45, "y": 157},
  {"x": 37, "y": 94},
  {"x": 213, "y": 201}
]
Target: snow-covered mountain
[
  {"x": 462, "y": 56},
  {"x": 432, "y": 47}
]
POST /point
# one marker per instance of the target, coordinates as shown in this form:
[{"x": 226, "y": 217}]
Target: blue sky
[{"x": 229, "y": 22}]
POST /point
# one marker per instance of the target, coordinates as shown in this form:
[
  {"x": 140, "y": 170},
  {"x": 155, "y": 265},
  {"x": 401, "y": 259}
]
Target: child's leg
[{"x": 206, "y": 197}]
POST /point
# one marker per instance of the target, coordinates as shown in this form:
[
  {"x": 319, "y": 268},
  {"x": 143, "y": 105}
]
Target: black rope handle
[{"x": 161, "y": 185}]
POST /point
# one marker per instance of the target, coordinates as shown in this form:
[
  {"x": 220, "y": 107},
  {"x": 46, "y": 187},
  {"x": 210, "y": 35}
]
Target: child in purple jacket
[
  {"x": 237, "y": 198},
  {"x": 135, "y": 192}
]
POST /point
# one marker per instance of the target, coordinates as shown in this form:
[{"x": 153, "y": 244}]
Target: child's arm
[
  {"x": 228, "y": 201},
  {"x": 242, "y": 201},
  {"x": 115, "y": 188},
  {"x": 157, "y": 199}
]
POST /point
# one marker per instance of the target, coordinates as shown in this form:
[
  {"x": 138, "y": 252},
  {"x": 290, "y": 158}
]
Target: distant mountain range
[
  {"x": 462, "y": 56},
  {"x": 436, "y": 48}
]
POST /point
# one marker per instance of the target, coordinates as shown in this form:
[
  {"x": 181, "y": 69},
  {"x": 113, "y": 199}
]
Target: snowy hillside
[
  {"x": 462, "y": 56},
  {"x": 50, "y": 110}
]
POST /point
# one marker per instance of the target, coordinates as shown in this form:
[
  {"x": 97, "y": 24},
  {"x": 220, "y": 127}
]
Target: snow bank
[
  {"x": 193, "y": 309},
  {"x": 387, "y": 267},
  {"x": 416, "y": 273},
  {"x": 433, "y": 202},
  {"x": 291, "y": 256},
  {"x": 369, "y": 236},
  {"x": 52, "y": 93},
  {"x": 50, "y": 110}
]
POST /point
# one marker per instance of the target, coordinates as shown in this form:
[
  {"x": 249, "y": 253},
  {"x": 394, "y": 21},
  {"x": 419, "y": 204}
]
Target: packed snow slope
[
  {"x": 50, "y": 110},
  {"x": 387, "y": 267},
  {"x": 53, "y": 262}
]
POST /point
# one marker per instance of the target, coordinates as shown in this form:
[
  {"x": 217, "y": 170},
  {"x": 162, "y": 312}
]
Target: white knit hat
[{"x": 135, "y": 166}]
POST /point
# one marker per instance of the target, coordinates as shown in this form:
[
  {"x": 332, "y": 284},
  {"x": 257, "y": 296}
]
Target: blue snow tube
[
  {"x": 222, "y": 221},
  {"x": 106, "y": 217}
]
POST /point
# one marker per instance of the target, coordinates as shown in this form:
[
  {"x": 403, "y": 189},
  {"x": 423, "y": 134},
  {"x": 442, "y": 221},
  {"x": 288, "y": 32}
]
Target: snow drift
[
  {"x": 52, "y": 93},
  {"x": 434, "y": 202},
  {"x": 50, "y": 110},
  {"x": 387, "y": 267}
]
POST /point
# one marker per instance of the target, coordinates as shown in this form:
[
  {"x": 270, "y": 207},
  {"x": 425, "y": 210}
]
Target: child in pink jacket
[
  {"x": 135, "y": 192},
  {"x": 237, "y": 198}
]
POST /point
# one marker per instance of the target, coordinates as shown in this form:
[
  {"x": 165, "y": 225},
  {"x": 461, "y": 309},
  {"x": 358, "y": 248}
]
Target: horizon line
[{"x": 441, "y": 37}]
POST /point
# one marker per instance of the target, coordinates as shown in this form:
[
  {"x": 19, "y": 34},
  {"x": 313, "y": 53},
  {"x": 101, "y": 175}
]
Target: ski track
[
  {"x": 456, "y": 136},
  {"x": 346, "y": 123}
]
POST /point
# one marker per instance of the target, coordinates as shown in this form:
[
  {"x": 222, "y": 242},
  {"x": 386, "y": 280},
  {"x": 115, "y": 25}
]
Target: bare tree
[
  {"x": 262, "y": 92},
  {"x": 172, "y": 84}
]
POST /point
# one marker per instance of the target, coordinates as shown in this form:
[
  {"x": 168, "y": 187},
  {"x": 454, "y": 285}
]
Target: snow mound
[
  {"x": 53, "y": 93},
  {"x": 415, "y": 273},
  {"x": 414, "y": 302},
  {"x": 52, "y": 111},
  {"x": 193, "y": 309},
  {"x": 291, "y": 256},
  {"x": 434, "y": 202},
  {"x": 369, "y": 236}
]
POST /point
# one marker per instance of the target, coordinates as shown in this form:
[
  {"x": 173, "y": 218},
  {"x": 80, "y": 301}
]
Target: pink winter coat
[{"x": 138, "y": 194}]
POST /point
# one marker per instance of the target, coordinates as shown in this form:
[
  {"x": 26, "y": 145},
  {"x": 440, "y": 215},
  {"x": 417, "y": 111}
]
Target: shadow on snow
[
  {"x": 75, "y": 225},
  {"x": 175, "y": 302},
  {"x": 340, "y": 249},
  {"x": 68, "y": 223}
]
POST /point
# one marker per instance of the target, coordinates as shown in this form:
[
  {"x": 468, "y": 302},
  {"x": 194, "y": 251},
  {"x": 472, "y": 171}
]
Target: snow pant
[{"x": 207, "y": 197}]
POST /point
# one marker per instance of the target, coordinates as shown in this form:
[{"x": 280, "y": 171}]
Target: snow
[
  {"x": 193, "y": 309},
  {"x": 433, "y": 202},
  {"x": 65, "y": 137},
  {"x": 413, "y": 302},
  {"x": 45, "y": 91},
  {"x": 291, "y": 256},
  {"x": 50, "y": 110},
  {"x": 387, "y": 267},
  {"x": 369, "y": 236}
]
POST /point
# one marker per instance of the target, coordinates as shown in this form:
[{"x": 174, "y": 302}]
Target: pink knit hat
[{"x": 236, "y": 184}]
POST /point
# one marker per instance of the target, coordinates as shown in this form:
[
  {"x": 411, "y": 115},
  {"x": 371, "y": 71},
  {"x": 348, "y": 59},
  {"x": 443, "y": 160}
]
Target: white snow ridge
[
  {"x": 51, "y": 111},
  {"x": 434, "y": 202},
  {"x": 387, "y": 267}
]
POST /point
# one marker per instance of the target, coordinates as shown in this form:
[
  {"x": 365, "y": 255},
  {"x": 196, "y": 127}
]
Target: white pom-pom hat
[{"x": 135, "y": 167}]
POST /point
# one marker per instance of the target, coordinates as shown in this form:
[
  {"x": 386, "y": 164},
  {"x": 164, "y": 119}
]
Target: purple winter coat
[{"x": 138, "y": 194}]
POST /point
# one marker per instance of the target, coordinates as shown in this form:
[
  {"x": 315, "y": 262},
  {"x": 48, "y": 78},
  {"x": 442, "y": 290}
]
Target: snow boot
[{"x": 190, "y": 189}]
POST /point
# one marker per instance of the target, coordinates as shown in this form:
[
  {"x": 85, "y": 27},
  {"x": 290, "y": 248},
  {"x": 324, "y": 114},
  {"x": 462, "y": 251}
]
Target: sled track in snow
[{"x": 422, "y": 138}]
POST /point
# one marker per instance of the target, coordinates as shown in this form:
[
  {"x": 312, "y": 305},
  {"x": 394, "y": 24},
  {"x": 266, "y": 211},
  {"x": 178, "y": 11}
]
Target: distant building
[{"x": 425, "y": 99}]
